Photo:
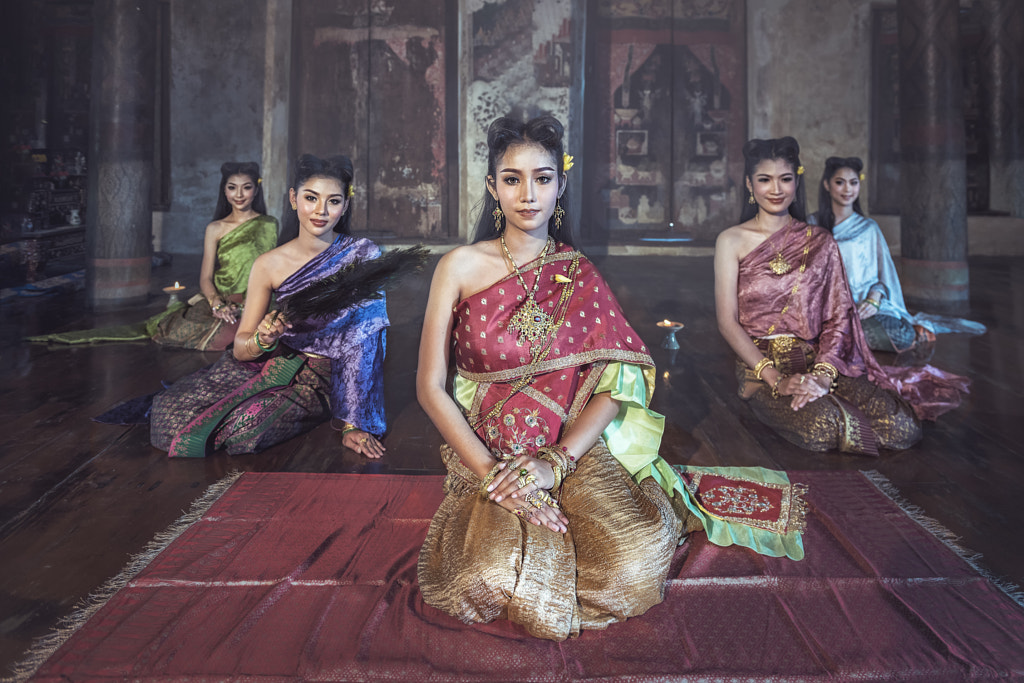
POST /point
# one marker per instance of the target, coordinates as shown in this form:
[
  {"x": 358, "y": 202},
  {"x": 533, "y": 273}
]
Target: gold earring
[
  {"x": 750, "y": 199},
  {"x": 559, "y": 213},
  {"x": 498, "y": 218},
  {"x": 295, "y": 207}
]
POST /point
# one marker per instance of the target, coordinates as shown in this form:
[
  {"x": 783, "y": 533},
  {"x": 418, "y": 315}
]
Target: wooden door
[
  {"x": 369, "y": 81},
  {"x": 666, "y": 117}
]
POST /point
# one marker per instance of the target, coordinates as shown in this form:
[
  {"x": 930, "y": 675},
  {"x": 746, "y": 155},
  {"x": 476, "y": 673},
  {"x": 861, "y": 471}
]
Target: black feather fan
[{"x": 353, "y": 284}]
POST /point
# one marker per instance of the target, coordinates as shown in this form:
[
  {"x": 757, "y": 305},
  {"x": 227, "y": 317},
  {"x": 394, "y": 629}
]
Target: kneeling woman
[
  {"x": 548, "y": 431},
  {"x": 784, "y": 306},
  {"x": 284, "y": 376}
]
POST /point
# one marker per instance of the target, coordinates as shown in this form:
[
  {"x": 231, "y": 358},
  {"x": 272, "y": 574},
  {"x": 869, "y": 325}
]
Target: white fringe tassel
[
  {"x": 45, "y": 646},
  {"x": 944, "y": 535}
]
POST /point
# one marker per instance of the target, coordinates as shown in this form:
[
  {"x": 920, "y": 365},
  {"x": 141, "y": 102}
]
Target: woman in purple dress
[{"x": 284, "y": 376}]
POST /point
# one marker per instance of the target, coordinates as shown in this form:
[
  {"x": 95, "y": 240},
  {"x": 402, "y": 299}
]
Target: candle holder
[
  {"x": 173, "y": 292},
  {"x": 670, "y": 341}
]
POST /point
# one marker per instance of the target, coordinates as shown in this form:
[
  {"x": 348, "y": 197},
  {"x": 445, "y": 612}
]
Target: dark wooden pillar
[
  {"x": 121, "y": 159},
  {"x": 1002, "y": 68},
  {"x": 933, "y": 172}
]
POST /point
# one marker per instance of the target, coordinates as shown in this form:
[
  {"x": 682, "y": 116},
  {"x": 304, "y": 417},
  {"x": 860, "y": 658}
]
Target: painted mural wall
[
  {"x": 519, "y": 61},
  {"x": 672, "y": 90}
]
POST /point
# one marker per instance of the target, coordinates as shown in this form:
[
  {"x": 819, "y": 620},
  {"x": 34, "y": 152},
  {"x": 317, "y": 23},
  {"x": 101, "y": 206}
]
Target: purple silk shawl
[
  {"x": 822, "y": 312},
  {"x": 354, "y": 340}
]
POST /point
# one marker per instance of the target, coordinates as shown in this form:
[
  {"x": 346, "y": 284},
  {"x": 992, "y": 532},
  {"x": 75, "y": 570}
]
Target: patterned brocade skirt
[
  {"x": 243, "y": 407},
  {"x": 858, "y": 417},
  {"x": 480, "y": 562}
]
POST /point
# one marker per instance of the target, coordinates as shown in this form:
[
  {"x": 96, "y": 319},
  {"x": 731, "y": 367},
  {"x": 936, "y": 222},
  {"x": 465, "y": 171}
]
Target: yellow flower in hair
[
  {"x": 862, "y": 176},
  {"x": 351, "y": 190},
  {"x": 800, "y": 170},
  {"x": 259, "y": 181},
  {"x": 566, "y": 162}
]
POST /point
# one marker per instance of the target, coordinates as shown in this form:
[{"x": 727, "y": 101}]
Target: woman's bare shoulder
[
  {"x": 734, "y": 237},
  {"x": 471, "y": 267},
  {"x": 218, "y": 228}
]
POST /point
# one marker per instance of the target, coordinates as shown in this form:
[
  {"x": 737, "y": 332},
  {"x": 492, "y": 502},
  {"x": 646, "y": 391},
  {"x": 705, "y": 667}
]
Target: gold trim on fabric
[
  {"x": 576, "y": 359},
  {"x": 478, "y": 397},
  {"x": 585, "y": 392},
  {"x": 545, "y": 401},
  {"x": 792, "y": 513}
]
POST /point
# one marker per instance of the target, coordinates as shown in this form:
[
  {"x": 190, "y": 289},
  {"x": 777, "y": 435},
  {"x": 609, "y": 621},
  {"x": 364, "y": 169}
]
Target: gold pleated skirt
[{"x": 480, "y": 562}]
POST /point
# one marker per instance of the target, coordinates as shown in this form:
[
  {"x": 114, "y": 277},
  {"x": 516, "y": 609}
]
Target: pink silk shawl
[{"x": 822, "y": 312}]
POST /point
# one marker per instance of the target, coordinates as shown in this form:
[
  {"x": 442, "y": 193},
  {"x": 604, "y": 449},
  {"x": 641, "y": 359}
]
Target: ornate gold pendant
[
  {"x": 530, "y": 321},
  {"x": 779, "y": 265}
]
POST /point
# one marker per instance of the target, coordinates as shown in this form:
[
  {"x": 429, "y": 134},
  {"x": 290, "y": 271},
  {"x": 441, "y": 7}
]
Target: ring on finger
[
  {"x": 533, "y": 499},
  {"x": 521, "y": 481}
]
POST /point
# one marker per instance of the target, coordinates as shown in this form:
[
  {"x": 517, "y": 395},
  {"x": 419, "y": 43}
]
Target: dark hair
[
  {"x": 338, "y": 167},
  {"x": 246, "y": 168},
  {"x": 824, "y": 216},
  {"x": 786, "y": 149},
  {"x": 505, "y": 132}
]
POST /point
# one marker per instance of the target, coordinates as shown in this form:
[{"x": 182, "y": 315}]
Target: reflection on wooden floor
[{"x": 78, "y": 498}]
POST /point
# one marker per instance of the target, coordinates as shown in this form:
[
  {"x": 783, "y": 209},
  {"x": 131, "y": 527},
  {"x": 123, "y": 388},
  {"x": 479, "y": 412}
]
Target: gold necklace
[
  {"x": 778, "y": 265},
  {"x": 529, "y": 320}
]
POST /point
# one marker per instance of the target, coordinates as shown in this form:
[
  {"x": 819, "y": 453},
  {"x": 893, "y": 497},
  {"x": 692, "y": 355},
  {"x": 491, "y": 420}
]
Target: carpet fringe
[
  {"x": 45, "y": 646},
  {"x": 944, "y": 535}
]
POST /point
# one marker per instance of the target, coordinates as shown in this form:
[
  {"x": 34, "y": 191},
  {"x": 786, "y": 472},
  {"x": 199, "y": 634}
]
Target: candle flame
[{"x": 176, "y": 285}]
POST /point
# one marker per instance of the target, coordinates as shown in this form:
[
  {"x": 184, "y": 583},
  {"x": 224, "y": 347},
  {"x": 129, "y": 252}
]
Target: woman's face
[
  {"x": 240, "y": 190},
  {"x": 843, "y": 187},
  {"x": 320, "y": 203},
  {"x": 526, "y": 185},
  {"x": 773, "y": 185}
]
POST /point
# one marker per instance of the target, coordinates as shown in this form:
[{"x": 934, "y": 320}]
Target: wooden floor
[{"x": 77, "y": 498}]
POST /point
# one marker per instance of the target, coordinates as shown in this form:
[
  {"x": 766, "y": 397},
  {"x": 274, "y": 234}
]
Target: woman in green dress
[{"x": 240, "y": 231}]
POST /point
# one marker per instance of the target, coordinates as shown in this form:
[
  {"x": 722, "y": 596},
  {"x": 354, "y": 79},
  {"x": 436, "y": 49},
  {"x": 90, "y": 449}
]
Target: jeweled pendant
[
  {"x": 779, "y": 265},
  {"x": 530, "y": 321}
]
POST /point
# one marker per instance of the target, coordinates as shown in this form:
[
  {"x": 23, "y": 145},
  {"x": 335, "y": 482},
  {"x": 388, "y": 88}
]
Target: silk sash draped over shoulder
[
  {"x": 868, "y": 262},
  {"x": 354, "y": 340},
  {"x": 323, "y": 367},
  {"x": 627, "y": 508},
  {"x": 237, "y": 250},
  {"x": 821, "y": 312}
]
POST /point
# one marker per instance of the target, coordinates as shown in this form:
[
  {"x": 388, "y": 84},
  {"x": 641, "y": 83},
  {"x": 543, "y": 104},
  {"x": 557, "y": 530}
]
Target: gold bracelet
[
  {"x": 775, "y": 387},
  {"x": 348, "y": 427},
  {"x": 761, "y": 365},
  {"x": 826, "y": 369},
  {"x": 249, "y": 351},
  {"x": 873, "y": 302}
]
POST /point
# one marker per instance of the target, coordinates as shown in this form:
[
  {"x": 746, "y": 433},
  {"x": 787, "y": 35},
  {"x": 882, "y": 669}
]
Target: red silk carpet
[{"x": 313, "y": 577}]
